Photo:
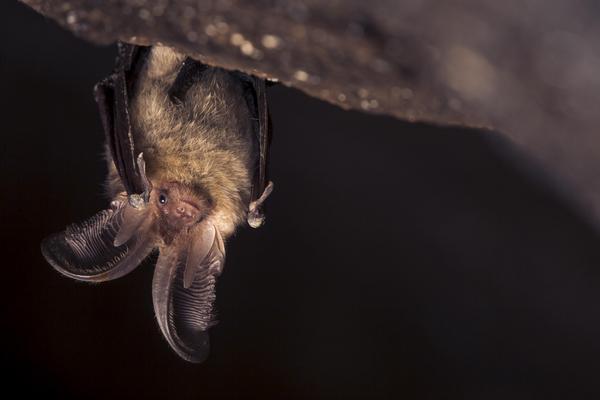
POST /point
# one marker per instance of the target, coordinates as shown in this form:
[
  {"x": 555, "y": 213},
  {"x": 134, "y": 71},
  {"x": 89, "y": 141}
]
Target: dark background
[{"x": 399, "y": 260}]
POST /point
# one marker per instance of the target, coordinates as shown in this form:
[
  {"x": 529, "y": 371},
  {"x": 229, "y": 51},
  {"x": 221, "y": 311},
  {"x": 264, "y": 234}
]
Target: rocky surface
[{"x": 529, "y": 69}]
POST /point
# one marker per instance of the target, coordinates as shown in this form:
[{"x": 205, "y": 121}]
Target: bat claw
[
  {"x": 137, "y": 201},
  {"x": 256, "y": 218}
]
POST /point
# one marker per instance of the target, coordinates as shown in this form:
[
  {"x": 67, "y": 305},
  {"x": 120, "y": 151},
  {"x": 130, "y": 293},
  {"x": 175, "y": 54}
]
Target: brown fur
[{"x": 205, "y": 143}]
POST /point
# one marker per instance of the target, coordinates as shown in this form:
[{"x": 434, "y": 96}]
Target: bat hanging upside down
[{"x": 187, "y": 149}]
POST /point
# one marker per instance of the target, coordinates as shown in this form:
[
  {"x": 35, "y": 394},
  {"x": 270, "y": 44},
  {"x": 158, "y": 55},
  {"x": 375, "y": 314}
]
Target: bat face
[
  {"x": 174, "y": 114},
  {"x": 178, "y": 208}
]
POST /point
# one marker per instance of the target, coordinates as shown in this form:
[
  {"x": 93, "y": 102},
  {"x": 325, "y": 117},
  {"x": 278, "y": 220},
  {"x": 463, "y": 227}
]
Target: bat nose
[{"x": 184, "y": 212}]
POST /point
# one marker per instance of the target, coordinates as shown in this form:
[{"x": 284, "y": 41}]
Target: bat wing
[
  {"x": 183, "y": 290},
  {"x": 107, "y": 246},
  {"x": 113, "y": 96},
  {"x": 256, "y": 97},
  {"x": 264, "y": 136}
]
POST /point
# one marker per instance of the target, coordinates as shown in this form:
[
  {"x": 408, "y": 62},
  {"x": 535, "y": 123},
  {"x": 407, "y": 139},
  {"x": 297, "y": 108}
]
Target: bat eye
[{"x": 162, "y": 198}]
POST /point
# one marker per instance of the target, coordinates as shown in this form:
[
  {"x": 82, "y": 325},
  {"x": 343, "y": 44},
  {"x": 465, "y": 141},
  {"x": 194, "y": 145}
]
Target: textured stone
[{"x": 529, "y": 69}]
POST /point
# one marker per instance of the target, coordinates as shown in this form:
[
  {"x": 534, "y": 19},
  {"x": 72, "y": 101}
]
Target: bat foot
[{"x": 256, "y": 218}]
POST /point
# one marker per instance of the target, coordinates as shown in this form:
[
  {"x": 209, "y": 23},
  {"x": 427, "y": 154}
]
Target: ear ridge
[
  {"x": 218, "y": 255},
  {"x": 85, "y": 251},
  {"x": 183, "y": 315},
  {"x": 183, "y": 290},
  {"x": 199, "y": 248}
]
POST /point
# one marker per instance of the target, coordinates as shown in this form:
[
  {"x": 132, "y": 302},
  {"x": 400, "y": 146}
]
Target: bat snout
[{"x": 185, "y": 212}]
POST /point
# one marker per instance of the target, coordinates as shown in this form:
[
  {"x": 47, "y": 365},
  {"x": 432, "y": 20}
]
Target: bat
[{"x": 187, "y": 149}]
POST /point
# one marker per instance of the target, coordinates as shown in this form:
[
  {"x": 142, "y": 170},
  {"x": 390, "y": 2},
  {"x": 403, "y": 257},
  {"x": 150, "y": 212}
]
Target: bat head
[
  {"x": 172, "y": 218},
  {"x": 177, "y": 207}
]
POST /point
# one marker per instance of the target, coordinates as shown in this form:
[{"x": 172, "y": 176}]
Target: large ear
[
  {"x": 183, "y": 298},
  {"x": 107, "y": 246}
]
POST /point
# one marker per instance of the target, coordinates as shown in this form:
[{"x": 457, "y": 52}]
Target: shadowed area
[{"x": 398, "y": 260}]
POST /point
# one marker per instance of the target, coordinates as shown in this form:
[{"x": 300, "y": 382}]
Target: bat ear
[
  {"x": 107, "y": 246},
  {"x": 183, "y": 290}
]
